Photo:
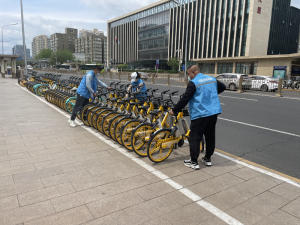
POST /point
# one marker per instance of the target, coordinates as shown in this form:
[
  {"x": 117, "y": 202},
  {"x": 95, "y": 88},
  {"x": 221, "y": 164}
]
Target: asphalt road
[{"x": 256, "y": 126}]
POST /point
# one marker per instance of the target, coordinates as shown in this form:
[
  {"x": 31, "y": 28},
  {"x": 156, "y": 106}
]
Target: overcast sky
[{"x": 51, "y": 16}]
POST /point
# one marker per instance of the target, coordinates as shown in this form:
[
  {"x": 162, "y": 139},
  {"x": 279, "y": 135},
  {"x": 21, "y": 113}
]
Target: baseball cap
[{"x": 133, "y": 76}]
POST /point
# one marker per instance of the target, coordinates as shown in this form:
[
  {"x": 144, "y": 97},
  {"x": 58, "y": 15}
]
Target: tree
[
  {"x": 62, "y": 57},
  {"x": 44, "y": 54},
  {"x": 174, "y": 63}
]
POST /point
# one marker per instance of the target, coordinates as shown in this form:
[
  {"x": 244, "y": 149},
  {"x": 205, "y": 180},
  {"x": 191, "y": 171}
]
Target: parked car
[
  {"x": 264, "y": 83},
  {"x": 231, "y": 80},
  {"x": 144, "y": 76}
]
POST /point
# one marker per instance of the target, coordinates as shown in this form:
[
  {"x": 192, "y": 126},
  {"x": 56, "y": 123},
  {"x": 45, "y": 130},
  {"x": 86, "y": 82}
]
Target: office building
[
  {"x": 244, "y": 36},
  {"x": 64, "y": 41},
  {"x": 19, "y": 50},
  {"x": 39, "y": 42},
  {"x": 93, "y": 44}
]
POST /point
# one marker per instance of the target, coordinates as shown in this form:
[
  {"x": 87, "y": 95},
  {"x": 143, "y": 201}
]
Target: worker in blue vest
[
  {"x": 137, "y": 85},
  {"x": 204, "y": 107},
  {"x": 86, "y": 90}
]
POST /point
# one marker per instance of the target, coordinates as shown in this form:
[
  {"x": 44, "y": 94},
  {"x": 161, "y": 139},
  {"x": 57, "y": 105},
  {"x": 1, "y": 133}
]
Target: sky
[{"x": 52, "y": 16}]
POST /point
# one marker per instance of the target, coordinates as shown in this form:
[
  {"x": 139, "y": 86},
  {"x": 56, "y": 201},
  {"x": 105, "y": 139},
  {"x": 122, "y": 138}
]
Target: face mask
[
  {"x": 97, "y": 74},
  {"x": 189, "y": 78}
]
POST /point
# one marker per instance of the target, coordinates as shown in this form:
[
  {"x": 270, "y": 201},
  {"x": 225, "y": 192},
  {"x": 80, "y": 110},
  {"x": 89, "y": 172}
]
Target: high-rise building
[
  {"x": 19, "y": 50},
  {"x": 39, "y": 42},
  {"x": 243, "y": 36},
  {"x": 93, "y": 44},
  {"x": 64, "y": 41}
]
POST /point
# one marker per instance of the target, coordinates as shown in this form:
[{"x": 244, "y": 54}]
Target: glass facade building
[{"x": 216, "y": 29}]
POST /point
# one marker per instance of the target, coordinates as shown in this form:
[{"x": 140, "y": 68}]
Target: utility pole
[{"x": 23, "y": 34}]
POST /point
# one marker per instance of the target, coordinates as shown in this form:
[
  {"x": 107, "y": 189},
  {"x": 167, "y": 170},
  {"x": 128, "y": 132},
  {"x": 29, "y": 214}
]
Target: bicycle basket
[
  {"x": 155, "y": 104},
  {"x": 167, "y": 104}
]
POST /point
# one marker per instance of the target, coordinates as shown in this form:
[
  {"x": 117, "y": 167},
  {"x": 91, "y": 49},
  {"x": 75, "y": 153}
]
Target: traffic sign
[{"x": 157, "y": 62}]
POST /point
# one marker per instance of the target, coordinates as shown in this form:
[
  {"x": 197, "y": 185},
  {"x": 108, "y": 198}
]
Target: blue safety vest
[
  {"x": 205, "y": 101},
  {"x": 143, "y": 89},
  {"x": 82, "y": 89}
]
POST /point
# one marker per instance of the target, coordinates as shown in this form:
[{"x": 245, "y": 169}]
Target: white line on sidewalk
[
  {"x": 264, "y": 128},
  {"x": 212, "y": 209},
  {"x": 248, "y": 99}
]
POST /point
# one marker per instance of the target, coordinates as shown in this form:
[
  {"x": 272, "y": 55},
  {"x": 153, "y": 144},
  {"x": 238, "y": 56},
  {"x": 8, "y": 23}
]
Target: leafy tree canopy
[
  {"x": 62, "y": 57},
  {"x": 44, "y": 54}
]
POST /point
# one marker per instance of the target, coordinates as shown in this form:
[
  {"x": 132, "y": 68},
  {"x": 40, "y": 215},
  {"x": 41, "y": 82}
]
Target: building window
[
  {"x": 207, "y": 68},
  {"x": 225, "y": 68},
  {"x": 247, "y": 68}
]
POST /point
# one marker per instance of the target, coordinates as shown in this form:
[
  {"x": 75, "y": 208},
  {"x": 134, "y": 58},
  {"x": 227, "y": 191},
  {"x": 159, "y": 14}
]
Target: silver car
[
  {"x": 144, "y": 75},
  {"x": 231, "y": 80}
]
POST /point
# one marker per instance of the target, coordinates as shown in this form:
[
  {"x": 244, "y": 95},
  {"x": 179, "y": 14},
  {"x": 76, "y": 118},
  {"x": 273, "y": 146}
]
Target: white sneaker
[
  {"x": 69, "y": 121},
  {"x": 72, "y": 123}
]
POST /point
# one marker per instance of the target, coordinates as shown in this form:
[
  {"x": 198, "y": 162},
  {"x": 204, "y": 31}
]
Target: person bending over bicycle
[
  {"x": 204, "y": 106},
  {"x": 86, "y": 90},
  {"x": 137, "y": 85}
]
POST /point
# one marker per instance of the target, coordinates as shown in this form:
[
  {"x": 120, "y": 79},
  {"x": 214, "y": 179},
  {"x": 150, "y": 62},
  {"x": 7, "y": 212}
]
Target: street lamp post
[
  {"x": 186, "y": 35},
  {"x": 179, "y": 53},
  {"x": 23, "y": 34},
  {"x": 2, "y": 34}
]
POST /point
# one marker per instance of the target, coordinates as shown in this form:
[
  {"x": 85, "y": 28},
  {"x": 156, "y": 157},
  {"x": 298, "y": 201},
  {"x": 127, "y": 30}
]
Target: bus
[
  {"x": 89, "y": 67},
  {"x": 63, "y": 67}
]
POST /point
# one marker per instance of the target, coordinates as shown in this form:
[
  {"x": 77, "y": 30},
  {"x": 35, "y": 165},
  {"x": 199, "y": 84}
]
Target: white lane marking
[
  {"x": 272, "y": 96},
  {"x": 217, "y": 212},
  {"x": 222, "y": 103},
  {"x": 248, "y": 99},
  {"x": 264, "y": 128}
]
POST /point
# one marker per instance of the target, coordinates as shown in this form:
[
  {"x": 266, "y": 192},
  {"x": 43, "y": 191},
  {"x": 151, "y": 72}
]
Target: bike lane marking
[
  {"x": 195, "y": 198},
  {"x": 248, "y": 99},
  {"x": 264, "y": 128}
]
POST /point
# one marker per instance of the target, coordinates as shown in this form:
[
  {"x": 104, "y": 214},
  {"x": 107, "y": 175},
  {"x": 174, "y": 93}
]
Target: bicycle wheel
[
  {"x": 106, "y": 121},
  {"x": 140, "y": 138},
  {"x": 94, "y": 116},
  {"x": 84, "y": 113},
  {"x": 100, "y": 117},
  {"x": 112, "y": 125},
  {"x": 126, "y": 133},
  {"x": 156, "y": 152},
  {"x": 118, "y": 128},
  {"x": 90, "y": 113}
]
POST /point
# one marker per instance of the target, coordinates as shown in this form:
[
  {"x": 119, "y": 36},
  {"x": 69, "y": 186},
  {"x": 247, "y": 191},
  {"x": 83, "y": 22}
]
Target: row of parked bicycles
[{"x": 139, "y": 121}]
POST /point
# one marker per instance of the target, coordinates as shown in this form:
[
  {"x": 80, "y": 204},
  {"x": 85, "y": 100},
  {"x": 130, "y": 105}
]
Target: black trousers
[
  {"x": 203, "y": 126},
  {"x": 80, "y": 103}
]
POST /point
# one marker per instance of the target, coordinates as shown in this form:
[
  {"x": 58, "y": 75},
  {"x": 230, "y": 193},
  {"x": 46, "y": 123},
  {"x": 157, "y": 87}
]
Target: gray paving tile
[
  {"x": 37, "y": 174},
  {"x": 95, "y": 181},
  {"x": 74, "y": 216},
  {"x": 126, "y": 185},
  {"x": 293, "y": 208},
  {"x": 79, "y": 198},
  {"x": 54, "y": 163},
  {"x": 191, "y": 178},
  {"x": 13, "y": 156},
  {"x": 257, "y": 208},
  {"x": 25, "y": 149},
  {"x": 190, "y": 214},
  {"x": 8, "y": 203},
  {"x": 80, "y": 165},
  {"x": 30, "y": 160},
  {"x": 117, "y": 218},
  {"x": 214, "y": 185},
  {"x": 16, "y": 170},
  {"x": 64, "y": 177},
  {"x": 239, "y": 193},
  {"x": 286, "y": 190},
  {"x": 7, "y": 180},
  {"x": 4, "y": 164},
  {"x": 245, "y": 173},
  {"x": 46, "y": 151},
  {"x": 279, "y": 218},
  {"x": 154, "y": 190},
  {"x": 45, "y": 194},
  {"x": 113, "y": 204},
  {"x": 26, "y": 213},
  {"x": 222, "y": 168}
]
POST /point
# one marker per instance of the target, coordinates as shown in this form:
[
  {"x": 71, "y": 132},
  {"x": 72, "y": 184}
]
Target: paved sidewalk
[{"x": 51, "y": 173}]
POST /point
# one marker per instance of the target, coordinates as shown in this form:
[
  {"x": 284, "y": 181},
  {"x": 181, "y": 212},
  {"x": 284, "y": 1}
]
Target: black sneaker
[
  {"x": 191, "y": 164},
  {"x": 206, "y": 161}
]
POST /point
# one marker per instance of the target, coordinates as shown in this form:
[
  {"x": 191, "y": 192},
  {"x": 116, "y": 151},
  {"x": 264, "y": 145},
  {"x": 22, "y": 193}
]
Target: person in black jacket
[{"x": 202, "y": 94}]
